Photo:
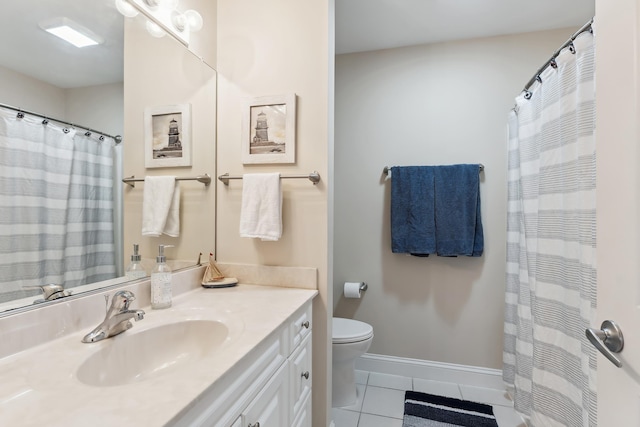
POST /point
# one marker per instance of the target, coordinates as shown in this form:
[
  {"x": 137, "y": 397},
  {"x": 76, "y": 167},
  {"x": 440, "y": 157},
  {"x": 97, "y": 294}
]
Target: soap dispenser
[
  {"x": 135, "y": 269},
  {"x": 161, "y": 292}
]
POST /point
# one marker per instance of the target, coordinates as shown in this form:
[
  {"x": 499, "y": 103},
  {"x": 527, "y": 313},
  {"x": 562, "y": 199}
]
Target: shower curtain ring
[
  {"x": 527, "y": 94},
  {"x": 45, "y": 121},
  {"x": 20, "y": 115},
  {"x": 572, "y": 48},
  {"x": 87, "y": 133},
  {"x": 101, "y": 138},
  {"x": 553, "y": 63}
]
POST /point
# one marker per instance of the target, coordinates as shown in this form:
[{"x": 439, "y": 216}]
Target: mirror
[{"x": 44, "y": 75}]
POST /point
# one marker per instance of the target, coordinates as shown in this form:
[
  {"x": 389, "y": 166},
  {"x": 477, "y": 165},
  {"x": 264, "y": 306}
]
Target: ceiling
[
  {"x": 29, "y": 50},
  {"x": 363, "y": 25}
]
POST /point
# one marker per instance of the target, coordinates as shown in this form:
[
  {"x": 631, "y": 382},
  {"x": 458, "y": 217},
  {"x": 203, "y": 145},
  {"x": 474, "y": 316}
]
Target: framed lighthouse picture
[
  {"x": 269, "y": 129},
  {"x": 167, "y": 136}
]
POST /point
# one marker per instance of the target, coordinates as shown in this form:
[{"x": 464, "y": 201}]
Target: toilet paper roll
[{"x": 352, "y": 289}]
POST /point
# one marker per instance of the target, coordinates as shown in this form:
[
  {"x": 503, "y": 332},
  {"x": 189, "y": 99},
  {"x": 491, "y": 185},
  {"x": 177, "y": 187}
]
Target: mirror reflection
[
  {"x": 61, "y": 211},
  {"x": 60, "y": 202}
]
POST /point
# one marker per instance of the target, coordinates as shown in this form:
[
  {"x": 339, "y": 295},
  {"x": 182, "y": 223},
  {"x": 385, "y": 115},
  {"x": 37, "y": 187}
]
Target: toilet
[{"x": 351, "y": 339}]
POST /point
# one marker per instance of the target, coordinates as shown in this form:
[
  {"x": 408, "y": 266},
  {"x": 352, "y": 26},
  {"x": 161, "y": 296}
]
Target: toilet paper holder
[{"x": 363, "y": 286}]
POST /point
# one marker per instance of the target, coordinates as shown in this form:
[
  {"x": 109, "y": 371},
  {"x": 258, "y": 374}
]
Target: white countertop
[{"x": 39, "y": 386}]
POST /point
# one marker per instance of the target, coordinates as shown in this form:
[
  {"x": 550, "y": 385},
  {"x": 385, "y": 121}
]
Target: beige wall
[
  {"x": 19, "y": 90},
  {"x": 98, "y": 107},
  {"x": 161, "y": 72},
  {"x": 434, "y": 104},
  {"x": 275, "y": 49}
]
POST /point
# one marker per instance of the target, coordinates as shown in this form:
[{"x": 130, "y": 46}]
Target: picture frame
[
  {"x": 269, "y": 129},
  {"x": 167, "y": 136}
]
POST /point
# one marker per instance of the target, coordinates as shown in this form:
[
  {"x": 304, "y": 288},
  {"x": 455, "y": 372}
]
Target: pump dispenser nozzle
[
  {"x": 135, "y": 270},
  {"x": 136, "y": 255},
  {"x": 161, "y": 257}
]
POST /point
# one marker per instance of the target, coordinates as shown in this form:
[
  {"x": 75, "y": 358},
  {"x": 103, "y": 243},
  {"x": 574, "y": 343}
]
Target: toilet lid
[{"x": 349, "y": 330}]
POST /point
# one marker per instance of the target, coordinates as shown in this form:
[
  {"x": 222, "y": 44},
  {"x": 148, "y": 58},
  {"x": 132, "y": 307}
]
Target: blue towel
[
  {"x": 436, "y": 209},
  {"x": 457, "y": 211},
  {"x": 413, "y": 210}
]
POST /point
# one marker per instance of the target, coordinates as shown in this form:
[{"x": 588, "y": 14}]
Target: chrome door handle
[{"x": 608, "y": 339}]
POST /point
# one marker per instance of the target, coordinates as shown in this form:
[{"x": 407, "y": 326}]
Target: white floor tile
[
  {"x": 438, "y": 388},
  {"x": 343, "y": 418},
  {"x": 390, "y": 381},
  {"x": 362, "y": 377},
  {"x": 360, "y": 392},
  {"x": 383, "y": 401},
  {"x": 507, "y": 417},
  {"x": 368, "y": 420},
  {"x": 485, "y": 395}
]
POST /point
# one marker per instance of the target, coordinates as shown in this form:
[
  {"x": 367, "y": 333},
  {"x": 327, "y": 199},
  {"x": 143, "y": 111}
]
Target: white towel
[
  {"x": 161, "y": 206},
  {"x": 261, "y": 214}
]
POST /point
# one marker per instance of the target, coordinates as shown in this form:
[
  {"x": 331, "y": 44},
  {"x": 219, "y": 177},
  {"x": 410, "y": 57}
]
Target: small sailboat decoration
[{"x": 213, "y": 277}]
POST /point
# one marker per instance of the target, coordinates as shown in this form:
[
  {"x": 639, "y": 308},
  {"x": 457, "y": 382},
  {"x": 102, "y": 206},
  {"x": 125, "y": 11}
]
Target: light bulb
[
  {"x": 155, "y": 30},
  {"x": 194, "y": 20},
  {"x": 169, "y": 4},
  {"x": 179, "y": 21},
  {"x": 125, "y": 8},
  {"x": 152, "y": 4}
]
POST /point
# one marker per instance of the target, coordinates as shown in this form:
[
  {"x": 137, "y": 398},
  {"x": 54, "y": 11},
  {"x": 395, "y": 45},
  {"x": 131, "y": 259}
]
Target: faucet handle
[
  {"x": 50, "y": 291},
  {"x": 122, "y": 299}
]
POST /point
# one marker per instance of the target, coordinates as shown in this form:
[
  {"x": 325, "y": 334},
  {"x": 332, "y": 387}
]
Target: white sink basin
[{"x": 133, "y": 357}]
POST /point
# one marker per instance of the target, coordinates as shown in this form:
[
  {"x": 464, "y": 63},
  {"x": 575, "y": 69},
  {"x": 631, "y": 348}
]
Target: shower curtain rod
[
  {"x": 46, "y": 119},
  {"x": 551, "y": 61}
]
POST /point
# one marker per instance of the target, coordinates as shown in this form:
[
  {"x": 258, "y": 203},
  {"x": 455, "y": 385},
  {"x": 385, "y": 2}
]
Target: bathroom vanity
[{"x": 237, "y": 356}]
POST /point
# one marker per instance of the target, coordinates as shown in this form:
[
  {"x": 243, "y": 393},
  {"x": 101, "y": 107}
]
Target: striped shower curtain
[
  {"x": 549, "y": 365},
  {"x": 56, "y": 206}
]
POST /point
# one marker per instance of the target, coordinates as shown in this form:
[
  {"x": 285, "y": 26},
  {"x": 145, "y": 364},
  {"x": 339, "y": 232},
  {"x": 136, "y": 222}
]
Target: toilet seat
[{"x": 350, "y": 331}]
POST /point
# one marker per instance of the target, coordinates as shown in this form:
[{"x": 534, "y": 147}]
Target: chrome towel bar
[
  {"x": 387, "y": 169},
  {"x": 313, "y": 177},
  {"x": 205, "y": 179}
]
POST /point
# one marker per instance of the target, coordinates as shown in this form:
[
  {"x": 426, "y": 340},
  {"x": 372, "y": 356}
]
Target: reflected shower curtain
[
  {"x": 549, "y": 365},
  {"x": 56, "y": 206}
]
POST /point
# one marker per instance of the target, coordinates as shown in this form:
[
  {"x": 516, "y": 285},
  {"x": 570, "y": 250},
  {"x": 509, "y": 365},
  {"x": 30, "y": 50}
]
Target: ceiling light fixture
[
  {"x": 163, "y": 17},
  {"x": 71, "y": 32}
]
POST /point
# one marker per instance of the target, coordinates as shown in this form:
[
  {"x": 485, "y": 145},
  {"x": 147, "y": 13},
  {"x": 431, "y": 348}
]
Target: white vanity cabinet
[
  {"x": 269, "y": 408},
  {"x": 270, "y": 387}
]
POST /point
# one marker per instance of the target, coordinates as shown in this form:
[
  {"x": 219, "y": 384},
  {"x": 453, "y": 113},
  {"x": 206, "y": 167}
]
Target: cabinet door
[
  {"x": 300, "y": 376},
  {"x": 270, "y": 407},
  {"x": 304, "y": 417}
]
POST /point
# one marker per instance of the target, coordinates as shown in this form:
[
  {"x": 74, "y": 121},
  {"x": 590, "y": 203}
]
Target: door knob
[{"x": 608, "y": 339}]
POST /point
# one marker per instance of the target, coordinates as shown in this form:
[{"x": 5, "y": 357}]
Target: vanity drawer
[
  {"x": 300, "y": 377},
  {"x": 300, "y": 326}
]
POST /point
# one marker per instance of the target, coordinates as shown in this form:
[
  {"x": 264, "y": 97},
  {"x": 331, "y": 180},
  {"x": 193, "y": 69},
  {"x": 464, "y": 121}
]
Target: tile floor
[{"x": 381, "y": 400}]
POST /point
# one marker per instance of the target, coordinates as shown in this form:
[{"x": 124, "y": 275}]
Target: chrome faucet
[
  {"x": 50, "y": 292},
  {"x": 118, "y": 318}
]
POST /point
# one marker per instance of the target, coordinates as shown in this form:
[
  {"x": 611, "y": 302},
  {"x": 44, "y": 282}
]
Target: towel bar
[
  {"x": 387, "y": 169},
  {"x": 205, "y": 179},
  {"x": 313, "y": 177}
]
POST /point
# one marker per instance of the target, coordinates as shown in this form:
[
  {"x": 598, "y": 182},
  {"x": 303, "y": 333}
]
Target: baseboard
[{"x": 429, "y": 370}]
